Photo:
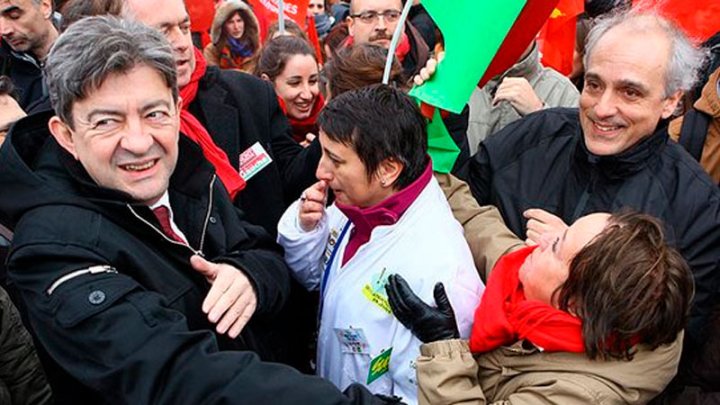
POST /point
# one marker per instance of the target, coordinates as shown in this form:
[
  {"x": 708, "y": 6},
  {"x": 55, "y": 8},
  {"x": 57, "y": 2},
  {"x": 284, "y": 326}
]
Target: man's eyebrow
[
  {"x": 591, "y": 75},
  {"x": 626, "y": 83},
  {"x": 10, "y": 9},
  {"x": 101, "y": 111},
  {"x": 155, "y": 104}
]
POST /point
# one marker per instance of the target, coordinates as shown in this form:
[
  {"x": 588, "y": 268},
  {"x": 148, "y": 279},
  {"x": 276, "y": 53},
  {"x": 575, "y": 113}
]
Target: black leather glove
[{"x": 425, "y": 322}]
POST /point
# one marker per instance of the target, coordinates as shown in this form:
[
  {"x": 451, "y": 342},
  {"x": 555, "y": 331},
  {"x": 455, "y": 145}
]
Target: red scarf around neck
[
  {"x": 505, "y": 316},
  {"x": 190, "y": 126},
  {"x": 302, "y": 127}
]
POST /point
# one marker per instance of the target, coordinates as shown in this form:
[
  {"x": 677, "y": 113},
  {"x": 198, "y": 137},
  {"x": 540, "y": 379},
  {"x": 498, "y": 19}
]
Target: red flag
[
  {"x": 528, "y": 23},
  {"x": 201, "y": 14},
  {"x": 557, "y": 38},
  {"x": 700, "y": 19},
  {"x": 314, "y": 38}
]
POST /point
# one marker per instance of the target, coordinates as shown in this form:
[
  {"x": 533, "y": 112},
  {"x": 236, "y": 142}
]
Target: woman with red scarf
[
  {"x": 593, "y": 315},
  {"x": 290, "y": 64}
]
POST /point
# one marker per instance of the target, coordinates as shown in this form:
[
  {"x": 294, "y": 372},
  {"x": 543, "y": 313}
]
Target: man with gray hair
[
  {"x": 132, "y": 303},
  {"x": 552, "y": 167}
]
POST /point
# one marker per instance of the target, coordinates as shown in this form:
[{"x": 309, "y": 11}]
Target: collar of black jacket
[{"x": 628, "y": 162}]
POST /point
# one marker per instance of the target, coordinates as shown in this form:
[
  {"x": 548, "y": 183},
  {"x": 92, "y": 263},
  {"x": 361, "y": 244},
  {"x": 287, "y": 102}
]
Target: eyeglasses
[{"x": 369, "y": 17}]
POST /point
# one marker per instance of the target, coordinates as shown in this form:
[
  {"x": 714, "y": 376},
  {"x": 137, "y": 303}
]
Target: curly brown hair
[{"x": 628, "y": 286}]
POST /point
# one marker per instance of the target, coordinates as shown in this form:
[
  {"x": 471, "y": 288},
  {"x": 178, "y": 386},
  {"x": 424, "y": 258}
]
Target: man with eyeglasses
[{"x": 374, "y": 21}]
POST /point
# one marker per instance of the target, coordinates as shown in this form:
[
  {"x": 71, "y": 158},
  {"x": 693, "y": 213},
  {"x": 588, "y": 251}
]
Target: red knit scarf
[
  {"x": 190, "y": 126},
  {"x": 505, "y": 316},
  {"x": 302, "y": 127}
]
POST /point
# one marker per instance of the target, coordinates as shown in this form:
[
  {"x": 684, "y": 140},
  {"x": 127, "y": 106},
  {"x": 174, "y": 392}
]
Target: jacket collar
[
  {"x": 386, "y": 212},
  {"x": 624, "y": 164},
  {"x": 709, "y": 101}
]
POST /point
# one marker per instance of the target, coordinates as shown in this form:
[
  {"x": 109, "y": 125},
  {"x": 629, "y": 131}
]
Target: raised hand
[
  {"x": 312, "y": 205},
  {"x": 427, "y": 323},
  {"x": 541, "y": 222},
  {"x": 518, "y": 92}
]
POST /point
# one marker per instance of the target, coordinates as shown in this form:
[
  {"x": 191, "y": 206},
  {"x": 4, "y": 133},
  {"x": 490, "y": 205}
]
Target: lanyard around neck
[{"x": 329, "y": 263}]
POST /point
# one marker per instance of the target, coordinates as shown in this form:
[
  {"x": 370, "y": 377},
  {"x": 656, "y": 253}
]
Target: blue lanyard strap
[{"x": 329, "y": 263}]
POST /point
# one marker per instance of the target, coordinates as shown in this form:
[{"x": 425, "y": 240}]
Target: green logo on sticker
[{"x": 379, "y": 366}]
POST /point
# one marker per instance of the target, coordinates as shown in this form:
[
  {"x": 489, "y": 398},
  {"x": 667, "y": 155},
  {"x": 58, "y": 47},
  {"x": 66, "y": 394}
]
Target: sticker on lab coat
[
  {"x": 353, "y": 341},
  {"x": 379, "y": 366},
  {"x": 254, "y": 159},
  {"x": 375, "y": 291}
]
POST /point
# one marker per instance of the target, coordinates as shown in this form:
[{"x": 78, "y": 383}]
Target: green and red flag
[{"x": 482, "y": 39}]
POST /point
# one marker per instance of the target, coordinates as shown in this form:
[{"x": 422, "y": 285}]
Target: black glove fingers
[
  {"x": 397, "y": 304},
  {"x": 442, "y": 301}
]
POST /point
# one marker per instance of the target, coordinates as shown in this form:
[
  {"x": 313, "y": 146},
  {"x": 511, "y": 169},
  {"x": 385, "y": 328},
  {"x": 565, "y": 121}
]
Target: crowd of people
[{"x": 253, "y": 217}]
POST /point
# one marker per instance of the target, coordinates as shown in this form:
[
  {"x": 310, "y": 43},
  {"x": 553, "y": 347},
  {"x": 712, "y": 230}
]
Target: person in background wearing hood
[
  {"x": 323, "y": 21},
  {"x": 235, "y": 37},
  {"x": 290, "y": 64}
]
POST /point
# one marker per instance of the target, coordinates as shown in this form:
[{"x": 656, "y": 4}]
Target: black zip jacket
[
  {"x": 116, "y": 304},
  {"x": 541, "y": 161},
  {"x": 25, "y": 73}
]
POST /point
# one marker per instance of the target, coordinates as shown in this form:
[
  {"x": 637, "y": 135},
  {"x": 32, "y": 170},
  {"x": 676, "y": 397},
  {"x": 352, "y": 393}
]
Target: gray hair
[
  {"x": 685, "y": 59},
  {"x": 92, "y": 49}
]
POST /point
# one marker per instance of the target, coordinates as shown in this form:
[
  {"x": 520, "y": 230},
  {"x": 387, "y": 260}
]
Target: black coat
[
  {"x": 115, "y": 302},
  {"x": 239, "y": 110},
  {"x": 541, "y": 162},
  {"x": 25, "y": 73}
]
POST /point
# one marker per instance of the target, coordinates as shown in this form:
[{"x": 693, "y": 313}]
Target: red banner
[
  {"x": 700, "y": 19},
  {"x": 557, "y": 38},
  {"x": 201, "y": 17}
]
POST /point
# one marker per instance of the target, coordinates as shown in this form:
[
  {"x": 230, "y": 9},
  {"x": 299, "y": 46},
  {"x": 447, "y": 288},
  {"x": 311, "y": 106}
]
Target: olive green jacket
[{"x": 521, "y": 374}]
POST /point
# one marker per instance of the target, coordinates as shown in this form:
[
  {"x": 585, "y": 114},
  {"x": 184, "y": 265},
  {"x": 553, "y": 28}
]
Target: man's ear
[
  {"x": 389, "y": 171},
  {"x": 62, "y": 134},
  {"x": 670, "y": 104},
  {"x": 350, "y": 23},
  {"x": 265, "y": 77},
  {"x": 46, "y": 9}
]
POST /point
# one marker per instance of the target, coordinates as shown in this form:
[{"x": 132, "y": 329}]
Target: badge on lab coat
[{"x": 353, "y": 340}]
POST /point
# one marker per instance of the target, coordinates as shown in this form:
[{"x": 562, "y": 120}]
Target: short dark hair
[
  {"x": 276, "y": 53},
  {"x": 379, "y": 122},
  {"x": 358, "y": 66},
  {"x": 628, "y": 286}
]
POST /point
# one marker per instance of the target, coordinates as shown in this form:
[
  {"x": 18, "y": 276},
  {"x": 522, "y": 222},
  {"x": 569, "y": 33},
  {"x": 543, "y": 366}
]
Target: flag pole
[
  {"x": 281, "y": 17},
  {"x": 395, "y": 39}
]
